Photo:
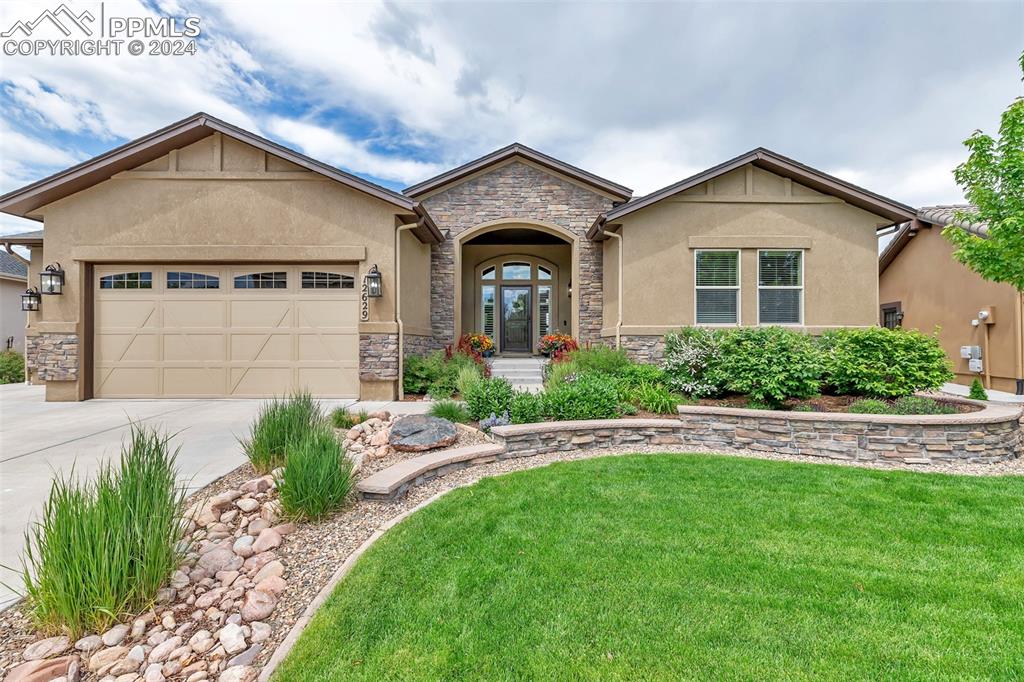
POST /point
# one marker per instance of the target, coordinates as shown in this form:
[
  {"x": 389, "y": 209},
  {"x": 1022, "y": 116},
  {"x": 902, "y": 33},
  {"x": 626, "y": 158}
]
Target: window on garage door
[
  {"x": 262, "y": 280},
  {"x": 127, "y": 280},
  {"x": 322, "y": 279}
]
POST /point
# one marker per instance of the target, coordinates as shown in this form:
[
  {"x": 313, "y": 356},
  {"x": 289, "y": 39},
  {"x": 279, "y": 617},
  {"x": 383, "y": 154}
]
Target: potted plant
[
  {"x": 556, "y": 344},
  {"x": 480, "y": 343}
]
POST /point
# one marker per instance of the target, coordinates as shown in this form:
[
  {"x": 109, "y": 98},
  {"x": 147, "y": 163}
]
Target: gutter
[{"x": 618, "y": 320}]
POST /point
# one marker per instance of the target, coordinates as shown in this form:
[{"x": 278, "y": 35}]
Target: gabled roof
[
  {"x": 775, "y": 163},
  {"x": 516, "y": 149},
  {"x": 23, "y": 202},
  {"x": 12, "y": 267},
  {"x": 34, "y": 238},
  {"x": 928, "y": 216}
]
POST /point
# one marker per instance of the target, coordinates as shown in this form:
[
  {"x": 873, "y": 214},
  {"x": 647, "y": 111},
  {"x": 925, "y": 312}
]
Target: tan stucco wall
[
  {"x": 415, "y": 263},
  {"x": 255, "y": 207},
  {"x": 12, "y": 320},
  {"x": 748, "y": 209},
  {"x": 935, "y": 290}
]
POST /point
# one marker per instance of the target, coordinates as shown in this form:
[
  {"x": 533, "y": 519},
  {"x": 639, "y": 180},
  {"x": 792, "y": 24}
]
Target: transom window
[
  {"x": 543, "y": 272},
  {"x": 780, "y": 287},
  {"x": 327, "y": 280},
  {"x": 515, "y": 271},
  {"x": 127, "y": 280},
  {"x": 262, "y": 280},
  {"x": 717, "y": 284},
  {"x": 488, "y": 273},
  {"x": 192, "y": 280}
]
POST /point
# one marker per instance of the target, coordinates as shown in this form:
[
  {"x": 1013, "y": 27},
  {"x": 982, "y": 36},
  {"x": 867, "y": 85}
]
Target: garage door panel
[
  {"x": 127, "y": 382},
  {"x": 127, "y": 314},
  {"x": 251, "y": 382},
  {"x": 329, "y": 381},
  {"x": 194, "y": 381},
  {"x": 261, "y": 348},
  {"x": 197, "y": 314},
  {"x": 324, "y": 313},
  {"x": 186, "y": 346},
  {"x": 260, "y": 312},
  {"x": 335, "y": 347},
  {"x": 128, "y": 347}
]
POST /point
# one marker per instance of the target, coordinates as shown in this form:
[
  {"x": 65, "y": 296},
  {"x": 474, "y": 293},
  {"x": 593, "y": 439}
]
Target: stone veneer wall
[
  {"x": 378, "y": 357},
  {"x": 993, "y": 435},
  {"x": 649, "y": 349},
  {"x": 515, "y": 191},
  {"x": 417, "y": 345},
  {"x": 54, "y": 357}
]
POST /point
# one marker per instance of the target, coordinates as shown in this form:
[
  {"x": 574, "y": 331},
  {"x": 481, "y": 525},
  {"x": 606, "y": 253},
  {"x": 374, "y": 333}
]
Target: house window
[
  {"x": 515, "y": 271},
  {"x": 543, "y": 272},
  {"x": 327, "y": 280},
  {"x": 262, "y": 280},
  {"x": 487, "y": 312},
  {"x": 891, "y": 315},
  {"x": 488, "y": 273},
  {"x": 780, "y": 287},
  {"x": 127, "y": 280},
  {"x": 192, "y": 280},
  {"x": 717, "y": 277},
  {"x": 544, "y": 308}
]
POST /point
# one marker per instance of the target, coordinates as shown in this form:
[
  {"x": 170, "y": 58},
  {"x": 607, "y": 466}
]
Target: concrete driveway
[{"x": 38, "y": 439}]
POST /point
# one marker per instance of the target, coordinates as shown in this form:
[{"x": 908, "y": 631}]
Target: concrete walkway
[{"x": 993, "y": 396}]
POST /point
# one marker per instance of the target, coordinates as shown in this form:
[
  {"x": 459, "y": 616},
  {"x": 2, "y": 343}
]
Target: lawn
[{"x": 687, "y": 567}]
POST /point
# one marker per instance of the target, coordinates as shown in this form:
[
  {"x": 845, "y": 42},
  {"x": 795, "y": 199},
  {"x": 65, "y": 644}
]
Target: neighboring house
[
  {"x": 921, "y": 286},
  {"x": 13, "y": 282},
  {"x": 204, "y": 260}
]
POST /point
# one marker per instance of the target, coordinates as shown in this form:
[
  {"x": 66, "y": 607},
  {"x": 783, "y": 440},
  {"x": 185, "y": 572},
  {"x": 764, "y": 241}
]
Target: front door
[{"x": 516, "y": 323}]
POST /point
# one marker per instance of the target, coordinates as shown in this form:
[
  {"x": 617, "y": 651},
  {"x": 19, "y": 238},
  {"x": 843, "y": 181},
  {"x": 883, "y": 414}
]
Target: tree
[{"x": 993, "y": 182}]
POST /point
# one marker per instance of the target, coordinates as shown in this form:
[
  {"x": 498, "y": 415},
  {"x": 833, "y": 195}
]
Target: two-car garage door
[{"x": 183, "y": 331}]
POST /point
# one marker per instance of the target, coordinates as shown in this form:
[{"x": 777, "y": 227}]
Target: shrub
[
  {"x": 526, "y": 408},
  {"x": 12, "y": 367},
  {"x": 635, "y": 374},
  {"x": 600, "y": 359},
  {"x": 437, "y": 374},
  {"x": 103, "y": 549},
  {"x": 557, "y": 372},
  {"x": 444, "y": 386},
  {"x": 977, "y": 391},
  {"x": 588, "y": 396},
  {"x": 883, "y": 363},
  {"x": 420, "y": 371},
  {"x": 769, "y": 364},
  {"x": 490, "y": 422},
  {"x": 317, "y": 476},
  {"x": 489, "y": 396},
  {"x": 341, "y": 418},
  {"x": 277, "y": 424},
  {"x": 915, "y": 404},
  {"x": 690, "y": 353},
  {"x": 450, "y": 410},
  {"x": 556, "y": 344},
  {"x": 655, "y": 398},
  {"x": 467, "y": 378},
  {"x": 870, "y": 406}
]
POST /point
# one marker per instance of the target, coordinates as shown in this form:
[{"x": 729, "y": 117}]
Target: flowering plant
[
  {"x": 481, "y": 343},
  {"x": 557, "y": 344}
]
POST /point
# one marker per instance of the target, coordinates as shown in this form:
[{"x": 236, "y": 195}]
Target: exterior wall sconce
[
  {"x": 570, "y": 288},
  {"x": 30, "y": 300},
  {"x": 51, "y": 280},
  {"x": 374, "y": 284}
]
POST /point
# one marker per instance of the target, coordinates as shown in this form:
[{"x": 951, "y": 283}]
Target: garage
[{"x": 233, "y": 331}]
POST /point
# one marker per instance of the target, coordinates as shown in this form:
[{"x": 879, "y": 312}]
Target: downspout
[
  {"x": 618, "y": 320},
  {"x": 1020, "y": 342},
  {"x": 398, "y": 305}
]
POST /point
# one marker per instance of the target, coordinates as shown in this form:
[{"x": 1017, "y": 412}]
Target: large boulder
[{"x": 420, "y": 432}]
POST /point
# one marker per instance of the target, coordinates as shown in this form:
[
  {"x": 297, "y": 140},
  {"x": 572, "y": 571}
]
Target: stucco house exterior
[
  {"x": 13, "y": 280},
  {"x": 204, "y": 260},
  {"x": 921, "y": 286}
]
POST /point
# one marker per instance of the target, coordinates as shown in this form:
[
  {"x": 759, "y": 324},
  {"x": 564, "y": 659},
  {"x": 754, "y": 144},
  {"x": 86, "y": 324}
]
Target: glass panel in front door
[{"x": 515, "y": 319}]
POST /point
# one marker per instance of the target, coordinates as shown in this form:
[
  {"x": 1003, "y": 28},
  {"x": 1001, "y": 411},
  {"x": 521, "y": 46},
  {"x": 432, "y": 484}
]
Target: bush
[
  {"x": 467, "y": 378},
  {"x": 450, "y": 410},
  {"x": 977, "y": 391},
  {"x": 769, "y": 364},
  {"x": 915, "y": 404},
  {"x": 600, "y": 359},
  {"x": 870, "y": 406},
  {"x": 883, "y": 363},
  {"x": 317, "y": 476},
  {"x": 655, "y": 398},
  {"x": 588, "y": 396},
  {"x": 12, "y": 367},
  {"x": 690, "y": 353},
  {"x": 487, "y": 397},
  {"x": 635, "y": 374},
  {"x": 103, "y": 549},
  {"x": 278, "y": 423},
  {"x": 557, "y": 372},
  {"x": 341, "y": 418},
  {"x": 438, "y": 374},
  {"x": 420, "y": 371},
  {"x": 488, "y": 423},
  {"x": 526, "y": 408}
]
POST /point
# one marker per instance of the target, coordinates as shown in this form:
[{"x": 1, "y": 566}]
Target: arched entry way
[{"x": 514, "y": 283}]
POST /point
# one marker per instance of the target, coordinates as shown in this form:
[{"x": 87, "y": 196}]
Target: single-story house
[
  {"x": 204, "y": 260},
  {"x": 921, "y": 286},
  {"x": 13, "y": 281}
]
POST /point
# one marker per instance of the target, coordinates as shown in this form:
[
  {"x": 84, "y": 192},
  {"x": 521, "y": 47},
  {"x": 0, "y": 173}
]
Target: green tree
[{"x": 993, "y": 182}]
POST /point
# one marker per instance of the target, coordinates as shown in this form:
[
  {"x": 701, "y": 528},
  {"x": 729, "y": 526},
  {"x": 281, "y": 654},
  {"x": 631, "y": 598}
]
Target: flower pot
[{"x": 487, "y": 353}]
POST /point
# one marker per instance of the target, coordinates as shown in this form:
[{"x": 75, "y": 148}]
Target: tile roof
[
  {"x": 946, "y": 215},
  {"x": 11, "y": 266}
]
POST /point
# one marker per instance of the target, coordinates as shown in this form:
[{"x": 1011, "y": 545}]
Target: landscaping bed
[{"x": 837, "y": 403}]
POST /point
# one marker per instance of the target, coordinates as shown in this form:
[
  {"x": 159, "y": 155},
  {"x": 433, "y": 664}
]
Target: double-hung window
[
  {"x": 717, "y": 278},
  {"x": 780, "y": 287}
]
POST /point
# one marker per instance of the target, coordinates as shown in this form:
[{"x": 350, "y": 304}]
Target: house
[
  {"x": 921, "y": 286},
  {"x": 204, "y": 260},
  {"x": 13, "y": 281}
]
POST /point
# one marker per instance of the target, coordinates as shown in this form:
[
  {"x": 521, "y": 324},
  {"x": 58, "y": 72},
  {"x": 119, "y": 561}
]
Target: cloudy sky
[{"x": 881, "y": 94}]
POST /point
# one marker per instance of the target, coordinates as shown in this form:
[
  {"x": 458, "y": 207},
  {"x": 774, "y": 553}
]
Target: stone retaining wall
[{"x": 991, "y": 435}]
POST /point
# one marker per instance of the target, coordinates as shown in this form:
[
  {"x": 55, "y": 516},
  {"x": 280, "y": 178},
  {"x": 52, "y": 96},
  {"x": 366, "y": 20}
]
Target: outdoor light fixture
[
  {"x": 51, "y": 280},
  {"x": 30, "y": 300},
  {"x": 374, "y": 287}
]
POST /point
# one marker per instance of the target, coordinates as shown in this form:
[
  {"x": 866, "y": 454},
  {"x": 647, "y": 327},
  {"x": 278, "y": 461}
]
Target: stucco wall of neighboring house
[
  {"x": 517, "y": 189},
  {"x": 747, "y": 209},
  {"x": 219, "y": 200},
  {"x": 935, "y": 290},
  {"x": 12, "y": 320}
]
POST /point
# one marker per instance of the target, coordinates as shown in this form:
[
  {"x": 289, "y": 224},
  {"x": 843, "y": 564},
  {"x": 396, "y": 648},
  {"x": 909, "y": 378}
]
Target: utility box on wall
[
  {"x": 970, "y": 352},
  {"x": 975, "y": 365}
]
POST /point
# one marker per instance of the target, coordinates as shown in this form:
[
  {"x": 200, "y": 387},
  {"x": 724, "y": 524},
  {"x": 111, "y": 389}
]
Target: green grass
[
  {"x": 317, "y": 476},
  {"x": 450, "y": 410},
  {"x": 673, "y": 567},
  {"x": 102, "y": 549},
  {"x": 279, "y": 422},
  {"x": 341, "y": 418}
]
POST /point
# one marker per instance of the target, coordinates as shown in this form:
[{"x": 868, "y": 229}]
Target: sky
[{"x": 644, "y": 94}]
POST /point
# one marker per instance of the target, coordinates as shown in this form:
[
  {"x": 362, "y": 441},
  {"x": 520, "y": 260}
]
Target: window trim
[
  {"x": 801, "y": 288},
  {"x": 737, "y": 289},
  {"x": 895, "y": 306}
]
